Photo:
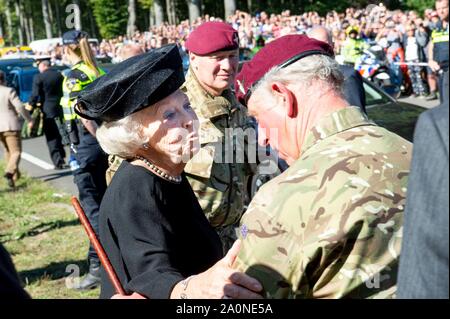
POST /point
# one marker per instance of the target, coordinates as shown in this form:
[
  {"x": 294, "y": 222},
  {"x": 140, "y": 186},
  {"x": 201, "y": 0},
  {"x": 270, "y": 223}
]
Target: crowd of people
[
  {"x": 177, "y": 219},
  {"x": 404, "y": 36}
]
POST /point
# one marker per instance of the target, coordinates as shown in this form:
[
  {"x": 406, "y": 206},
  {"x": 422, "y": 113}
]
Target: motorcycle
[{"x": 373, "y": 66}]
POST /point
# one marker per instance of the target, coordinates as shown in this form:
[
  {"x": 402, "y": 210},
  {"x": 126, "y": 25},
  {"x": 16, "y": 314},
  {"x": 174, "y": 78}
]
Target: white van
[{"x": 46, "y": 44}]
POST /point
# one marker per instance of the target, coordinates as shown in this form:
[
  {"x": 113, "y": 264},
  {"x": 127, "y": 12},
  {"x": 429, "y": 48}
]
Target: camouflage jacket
[
  {"x": 218, "y": 180},
  {"x": 114, "y": 162},
  {"x": 331, "y": 225}
]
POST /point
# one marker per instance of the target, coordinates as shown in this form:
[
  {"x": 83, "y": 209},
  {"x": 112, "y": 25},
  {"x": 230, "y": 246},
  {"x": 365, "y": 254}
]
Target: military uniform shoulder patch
[{"x": 244, "y": 231}]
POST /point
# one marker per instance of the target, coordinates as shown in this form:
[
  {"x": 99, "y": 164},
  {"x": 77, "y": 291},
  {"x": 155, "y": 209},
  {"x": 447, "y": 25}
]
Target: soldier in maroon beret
[
  {"x": 219, "y": 185},
  {"x": 213, "y": 55},
  {"x": 330, "y": 225}
]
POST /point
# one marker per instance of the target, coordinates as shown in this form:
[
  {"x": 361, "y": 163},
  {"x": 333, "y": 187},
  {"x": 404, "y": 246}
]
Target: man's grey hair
[
  {"x": 122, "y": 137},
  {"x": 313, "y": 69}
]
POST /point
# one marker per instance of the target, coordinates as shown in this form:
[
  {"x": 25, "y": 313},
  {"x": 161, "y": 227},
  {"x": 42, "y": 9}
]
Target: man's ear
[
  {"x": 289, "y": 99},
  {"x": 192, "y": 60}
]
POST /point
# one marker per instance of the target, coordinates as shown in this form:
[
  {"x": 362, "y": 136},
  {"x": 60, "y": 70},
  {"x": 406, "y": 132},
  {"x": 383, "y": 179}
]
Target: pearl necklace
[{"x": 159, "y": 172}]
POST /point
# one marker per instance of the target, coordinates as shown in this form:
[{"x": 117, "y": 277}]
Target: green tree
[
  {"x": 131, "y": 24},
  {"x": 194, "y": 7},
  {"x": 6, "y": 20},
  {"x": 111, "y": 17},
  {"x": 230, "y": 7},
  {"x": 47, "y": 21},
  {"x": 420, "y": 5}
]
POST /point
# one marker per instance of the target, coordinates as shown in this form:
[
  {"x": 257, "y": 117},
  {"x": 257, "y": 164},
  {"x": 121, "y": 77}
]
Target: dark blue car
[
  {"x": 21, "y": 79},
  {"x": 8, "y": 65}
]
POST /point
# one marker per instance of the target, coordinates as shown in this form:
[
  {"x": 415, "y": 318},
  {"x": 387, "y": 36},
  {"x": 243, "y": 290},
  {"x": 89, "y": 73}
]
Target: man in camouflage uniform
[
  {"x": 218, "y": 177},
  {"x": 329, "y": 226}
]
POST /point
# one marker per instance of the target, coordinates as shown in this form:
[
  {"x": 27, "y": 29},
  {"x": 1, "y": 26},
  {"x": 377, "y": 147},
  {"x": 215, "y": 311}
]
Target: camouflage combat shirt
[
  {"x": 331, "y": 225},
  {"x": 218, "y": 180}
]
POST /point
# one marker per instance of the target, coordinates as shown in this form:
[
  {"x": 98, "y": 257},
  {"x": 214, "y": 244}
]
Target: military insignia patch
[
  {"x": 244, "y": 231},
  {"x": 70, "y": 83}
]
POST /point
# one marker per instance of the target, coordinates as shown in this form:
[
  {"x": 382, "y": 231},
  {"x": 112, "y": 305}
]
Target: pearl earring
[{"x": 145, "y": 146}]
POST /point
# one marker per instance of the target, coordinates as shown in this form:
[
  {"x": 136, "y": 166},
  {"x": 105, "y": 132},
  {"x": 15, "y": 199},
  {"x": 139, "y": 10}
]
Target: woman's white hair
[
  {"x": 317, "y": 69},
  {"x": 122, "y": 137}
]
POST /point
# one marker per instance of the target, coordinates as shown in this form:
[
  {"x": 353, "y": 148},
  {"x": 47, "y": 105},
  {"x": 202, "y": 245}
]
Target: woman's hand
[{"x": 220, "y": 281}]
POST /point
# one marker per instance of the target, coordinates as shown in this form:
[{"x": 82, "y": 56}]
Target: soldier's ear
[
  {"x": 193, "y": 61},
  {"x": 288, "y": 97}
]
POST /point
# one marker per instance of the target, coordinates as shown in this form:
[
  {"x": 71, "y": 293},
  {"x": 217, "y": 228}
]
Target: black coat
[
  {"x": 9, "y": 281},
  {"x": 47, "y": 89},
  {"x": 424, "y": 258},
  {"x": 154, "y": 233}
]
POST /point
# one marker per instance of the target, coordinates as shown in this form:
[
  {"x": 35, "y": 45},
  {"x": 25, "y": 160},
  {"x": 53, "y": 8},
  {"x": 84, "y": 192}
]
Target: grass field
[{"x": 39, "y": 228}]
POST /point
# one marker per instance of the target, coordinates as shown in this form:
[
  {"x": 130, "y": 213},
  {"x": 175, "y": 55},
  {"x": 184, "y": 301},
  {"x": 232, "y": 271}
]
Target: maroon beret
[
  {"x": 210, "y": 37},
  {"x": 278, "y": 53}
]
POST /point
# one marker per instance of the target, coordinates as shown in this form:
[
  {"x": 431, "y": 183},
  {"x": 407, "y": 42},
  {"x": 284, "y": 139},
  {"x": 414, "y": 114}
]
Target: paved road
[
  {"x": 36, "y": 162},
  {"x": 63, "y": 181},
  {"x": 421, "y": 102}
]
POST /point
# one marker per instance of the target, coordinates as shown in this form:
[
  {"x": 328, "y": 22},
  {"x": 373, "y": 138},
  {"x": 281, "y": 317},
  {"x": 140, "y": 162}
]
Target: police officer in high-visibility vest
[
  {"x": 438, "y": 48},
  {"x": 353, "y": 46},
  {"x": 92, "y": 161}
]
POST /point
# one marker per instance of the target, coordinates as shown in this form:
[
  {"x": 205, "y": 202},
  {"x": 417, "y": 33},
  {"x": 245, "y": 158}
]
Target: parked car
[
  {"x": 21, "y": 79},
  {"x": 7, "y": 65},
  {"x": 43, "y": 45},
  {"x": 398, "y": 117}
]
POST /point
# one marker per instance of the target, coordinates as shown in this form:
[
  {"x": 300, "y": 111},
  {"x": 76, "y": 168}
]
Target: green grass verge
[{"x": 41, "y": 231}]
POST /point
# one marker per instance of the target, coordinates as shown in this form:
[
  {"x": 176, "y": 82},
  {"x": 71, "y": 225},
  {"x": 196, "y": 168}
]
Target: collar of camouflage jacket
[
  {"x": 205, "y": 104},
  {"x": 334, "y": 123}
]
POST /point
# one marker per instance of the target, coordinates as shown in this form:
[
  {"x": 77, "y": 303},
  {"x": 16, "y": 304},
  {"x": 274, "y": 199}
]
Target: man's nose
[{"x": 226, "y": 64}]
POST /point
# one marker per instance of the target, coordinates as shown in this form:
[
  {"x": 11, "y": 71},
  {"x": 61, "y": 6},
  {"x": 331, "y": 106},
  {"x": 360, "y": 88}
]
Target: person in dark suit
[
  {"x": 423, "y": 268},
  {"x": 47, "y": 90},
  {"x": 353, "y": 82},
  {"x": 10, "y": 287}
]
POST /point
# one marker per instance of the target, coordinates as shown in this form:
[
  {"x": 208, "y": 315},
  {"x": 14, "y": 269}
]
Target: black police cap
[
  {"x": 73, "y": 37},
  {"x": 132, "y": 85}
]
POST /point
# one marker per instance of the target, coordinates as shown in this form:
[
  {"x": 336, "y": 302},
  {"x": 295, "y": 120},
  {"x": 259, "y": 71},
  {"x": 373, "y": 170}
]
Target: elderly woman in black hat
[{"x": 151, "y": 225}]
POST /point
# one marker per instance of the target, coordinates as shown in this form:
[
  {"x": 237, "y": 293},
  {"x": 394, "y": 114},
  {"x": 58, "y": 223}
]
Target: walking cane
[{"x": 98, "y": 247}]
